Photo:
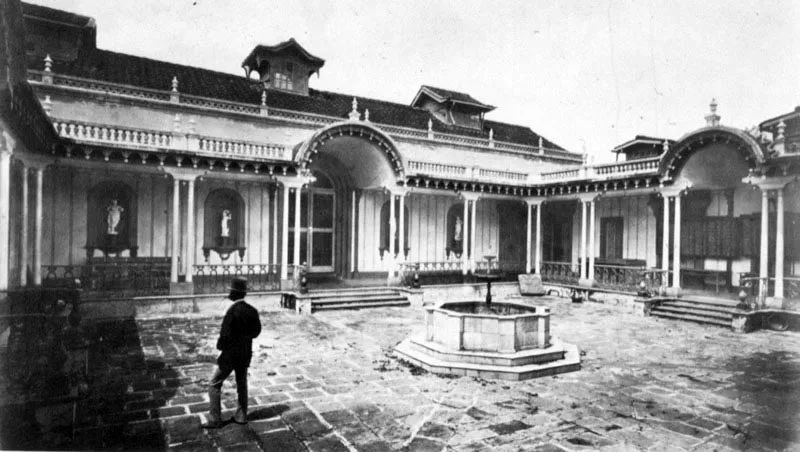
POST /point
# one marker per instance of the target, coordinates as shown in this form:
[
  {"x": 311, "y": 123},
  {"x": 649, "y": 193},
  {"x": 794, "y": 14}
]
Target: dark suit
[{"x": 239, "y": 327}]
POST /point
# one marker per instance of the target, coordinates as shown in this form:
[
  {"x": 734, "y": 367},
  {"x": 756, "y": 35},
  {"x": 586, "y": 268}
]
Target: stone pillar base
[
  {"x": 181, "y": 288},
  {"x": 774, "y": 302},
  {"x": 586, "y": 282},
  {"x": 288, "y": 284},
  {"x": 673, "y": 292}
]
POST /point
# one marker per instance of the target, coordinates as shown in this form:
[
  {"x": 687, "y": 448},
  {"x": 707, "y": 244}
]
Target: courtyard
[{"x": 328, "y": 382}]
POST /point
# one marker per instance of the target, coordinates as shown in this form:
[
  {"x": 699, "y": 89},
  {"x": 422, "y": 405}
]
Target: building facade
[{"x": 153, "y": 178}]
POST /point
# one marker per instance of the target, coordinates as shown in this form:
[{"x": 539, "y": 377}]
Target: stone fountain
[{"x": 507, "y": 340}]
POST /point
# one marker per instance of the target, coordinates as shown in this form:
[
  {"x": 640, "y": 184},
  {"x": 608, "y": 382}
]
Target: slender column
[
  {"x": 353, "y": 232},
  {"x": 583, "y": 240},
  {"x": 275, "y": 227},
  {"x": 402, "y": 237},
  {"x": 285, "y": 234},
  {"x": 176, "y": 214},
  {"x": 23, "y": 234},
  {"x": 465, "y": 239},
  {"x": 190, "y": 219},
  {"x": 591, "y": 240},
  {"x": 473, "y": 236},
  {"x": 779, "y": 241},
  {"x": 764, "y": 241},
  {"x": 537, "y": 259},
  {"x": 265, "y": 235},
  {"x": 392, "y": 235},
  {"x": 296, "y": 257},
  {"x": 676, "y": 251},
  {"x": 5, "y": 197},
  {"x": 528, "y": 242},
  {"x": 665, "y": 241},
  {"x": 37, "y": 228}
]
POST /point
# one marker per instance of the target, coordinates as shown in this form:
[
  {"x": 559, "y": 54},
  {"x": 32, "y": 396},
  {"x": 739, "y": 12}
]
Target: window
[
  {"x": 611, "y": 238},
  {"x": 283, "y": 81}
]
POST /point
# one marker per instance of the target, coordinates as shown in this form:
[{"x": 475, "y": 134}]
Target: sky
[{"x": 588, "y": 75}]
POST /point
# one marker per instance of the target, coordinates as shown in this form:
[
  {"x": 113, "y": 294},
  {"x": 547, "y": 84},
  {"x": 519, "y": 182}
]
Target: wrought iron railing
[
  {"x": 761, "y": 288},
  {"x": 560, "y": 272},
  {"x": 209, "y": 279},
  {"x": 112, "y": 280},
  {"x": 629, "y": 278}
]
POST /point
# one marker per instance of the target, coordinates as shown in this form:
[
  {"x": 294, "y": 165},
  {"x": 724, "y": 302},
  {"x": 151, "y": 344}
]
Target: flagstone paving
[{"x": 328, "y": 382}]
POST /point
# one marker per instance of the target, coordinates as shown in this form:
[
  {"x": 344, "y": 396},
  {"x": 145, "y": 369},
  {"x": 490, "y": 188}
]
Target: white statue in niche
[
  {"x": 458, "y": 228},
  {"x": 114, "y": 216},
  {"x": 225, "y": 227}
]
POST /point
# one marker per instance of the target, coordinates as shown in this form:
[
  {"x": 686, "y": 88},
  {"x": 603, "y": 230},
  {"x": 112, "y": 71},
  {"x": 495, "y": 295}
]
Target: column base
[
  {"x": 181, "y": 288},
  {"x": 774, "y": 302},
  {"x": 586, "y": 283},
  {"x": 673, "y": 292}
]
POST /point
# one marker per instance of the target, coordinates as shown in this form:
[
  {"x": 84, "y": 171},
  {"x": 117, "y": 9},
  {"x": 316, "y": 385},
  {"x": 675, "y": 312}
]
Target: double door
[{"x": 317, "y": 229}]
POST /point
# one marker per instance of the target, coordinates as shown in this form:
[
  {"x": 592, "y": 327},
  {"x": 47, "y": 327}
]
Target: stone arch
[
  {"x": 305, "y": 151},
  {"x": 674, "y": 159}
]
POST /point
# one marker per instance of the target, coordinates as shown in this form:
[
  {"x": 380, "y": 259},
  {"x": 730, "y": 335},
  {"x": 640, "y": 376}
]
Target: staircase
[
  {"x": 356, "y": 298},
  {"x": 713, "y": 311}
]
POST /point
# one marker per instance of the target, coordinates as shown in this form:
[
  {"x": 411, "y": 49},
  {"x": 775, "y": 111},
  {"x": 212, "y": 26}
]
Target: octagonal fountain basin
[{"x": 509, "y": 341}]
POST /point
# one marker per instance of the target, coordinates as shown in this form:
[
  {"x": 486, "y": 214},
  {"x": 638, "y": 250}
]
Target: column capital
[
  {"x": 294, "y": 181},
  {"x": 469, "y": 196},
  {"x": 183, "y": 174},
  {"x": 8, "y": 143},
  {"x": 35, "y": 161},
  {"x": 587, "y": 197},
  {"x": 769, "y": 183},
  {"x": 675, "y": 189},
  {"x": 535, "y": 201}
]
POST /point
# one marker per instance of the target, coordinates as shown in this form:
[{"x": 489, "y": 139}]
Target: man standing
[{"x": 239, "y": 327}]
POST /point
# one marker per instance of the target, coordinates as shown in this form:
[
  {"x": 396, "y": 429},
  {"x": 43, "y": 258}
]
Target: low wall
[
  {"x": 165, "y": 306},
  {"x": 461, "y": 292}
]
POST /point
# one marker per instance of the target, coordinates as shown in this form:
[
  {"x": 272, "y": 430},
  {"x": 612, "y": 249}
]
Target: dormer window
[
  {"x": 451, "y": 107},
  {"x": 286, "y": 66}
]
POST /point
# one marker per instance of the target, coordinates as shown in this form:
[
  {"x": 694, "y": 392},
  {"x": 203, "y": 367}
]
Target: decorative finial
[
  {"x": 430, "y": 125},
  {"x": 354, "y": 114},
  {"x": 192, "y": 124},
  {"x": 366, "y": 114},
  {"x": 665, "y": 146},
  {"x": 712, "y": 119},
  {"x": 263, "y": 98},
  {"x": 491, "y": 134},
  {"x": 781, "y": 129},
  {"x": 585, "y": 156},
  {"x": 48, "y": 63},
  {"x": 175, "y": 84},
  {"x": 541, "y": 143}
]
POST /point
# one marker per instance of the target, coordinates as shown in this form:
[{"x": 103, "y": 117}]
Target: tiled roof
[
  {"x": 132, "y": 70},
  {"x": 56, "y": 15}
]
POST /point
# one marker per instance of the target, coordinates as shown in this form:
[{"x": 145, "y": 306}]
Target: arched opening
[
  {"x": 111, "y": 219},
  {"x": 319, "y": 225}
]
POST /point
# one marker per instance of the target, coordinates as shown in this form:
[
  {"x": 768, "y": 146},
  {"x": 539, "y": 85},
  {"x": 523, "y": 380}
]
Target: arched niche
[
  {"x": 457, "y": 240},
  {"x": 224, "y": 224},
  {"x": 384, "y": 245},
  {"x": 111, "y": 219}
]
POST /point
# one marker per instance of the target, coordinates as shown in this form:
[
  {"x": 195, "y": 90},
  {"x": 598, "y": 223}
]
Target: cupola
[{"x": 286, "y": 66}]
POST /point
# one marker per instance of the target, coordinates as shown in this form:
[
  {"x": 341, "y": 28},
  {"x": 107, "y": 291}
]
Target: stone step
[
  {"x": 313, "y": 294},
  {"x": 357, "y": 299},
  {"x": 570, "y": 363},
  {"x": 700, "y": 306},
  {"x": 441, "y": 352},
  {"x": 356, "y": 305},
  {"x": 708, "y": 301},
  {"x": 691, "y": 310},
  {"x": 691, "y": 318}
]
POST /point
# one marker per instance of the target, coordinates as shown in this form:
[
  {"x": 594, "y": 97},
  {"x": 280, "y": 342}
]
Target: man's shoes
[
  {"x": 212, "y": 425},
  {"x": 239, "y": 420}
]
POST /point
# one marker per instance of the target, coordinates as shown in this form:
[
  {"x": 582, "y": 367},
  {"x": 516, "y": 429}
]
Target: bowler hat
[{"x": 239, "y": 284}]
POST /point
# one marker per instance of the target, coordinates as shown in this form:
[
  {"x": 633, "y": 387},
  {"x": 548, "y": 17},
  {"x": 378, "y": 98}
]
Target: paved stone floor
[{"x": 328, "y": 382}]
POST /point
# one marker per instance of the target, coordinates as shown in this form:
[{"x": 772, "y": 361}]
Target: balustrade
[
  {"x": 113, "y": 280},
  {"x": 212, "y": 279}
]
